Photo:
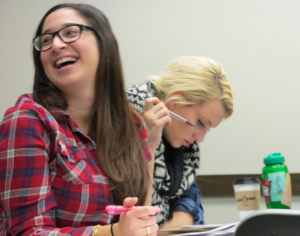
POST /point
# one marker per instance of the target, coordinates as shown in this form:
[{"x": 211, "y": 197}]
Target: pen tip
[{"x": 189, "y": 123}]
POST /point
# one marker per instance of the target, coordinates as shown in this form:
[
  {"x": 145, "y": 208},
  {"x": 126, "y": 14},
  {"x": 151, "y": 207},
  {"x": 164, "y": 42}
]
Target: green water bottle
[{"x": 277, "y": 188}]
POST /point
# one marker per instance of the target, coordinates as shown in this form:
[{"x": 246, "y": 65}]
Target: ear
[{"x": 171, "y": 105}]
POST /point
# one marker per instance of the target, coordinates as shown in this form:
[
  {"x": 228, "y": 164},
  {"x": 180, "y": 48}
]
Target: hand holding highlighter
[{"x": 116, "y": 210}]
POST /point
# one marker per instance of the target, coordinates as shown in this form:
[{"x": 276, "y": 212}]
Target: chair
[{"x": 270, "y": 222}]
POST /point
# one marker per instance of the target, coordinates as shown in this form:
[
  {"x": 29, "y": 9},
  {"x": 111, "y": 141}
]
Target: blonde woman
[{"x": 196, "y": 88}]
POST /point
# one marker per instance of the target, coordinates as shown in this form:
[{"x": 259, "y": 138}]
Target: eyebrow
[{"x": 64, "y": 25}]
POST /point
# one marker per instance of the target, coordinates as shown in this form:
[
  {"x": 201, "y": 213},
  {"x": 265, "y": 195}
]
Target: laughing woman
[
  {"x": 196, "y": 88},
  {"x": 72, "y": 147}
]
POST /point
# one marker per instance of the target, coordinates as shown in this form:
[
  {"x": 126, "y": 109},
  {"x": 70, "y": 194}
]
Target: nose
[
  {"x": 57, "y": 43},
  {"x": 200, "y": 135}
]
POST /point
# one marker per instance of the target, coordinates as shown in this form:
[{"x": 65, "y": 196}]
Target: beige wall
[{"x": 257, "y": 42}]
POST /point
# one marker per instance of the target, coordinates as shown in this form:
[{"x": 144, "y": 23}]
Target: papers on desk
[{"x": 203, "y": 230}]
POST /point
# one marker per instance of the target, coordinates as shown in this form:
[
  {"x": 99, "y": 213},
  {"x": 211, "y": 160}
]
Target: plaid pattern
[{"x": 50, "y": 180}]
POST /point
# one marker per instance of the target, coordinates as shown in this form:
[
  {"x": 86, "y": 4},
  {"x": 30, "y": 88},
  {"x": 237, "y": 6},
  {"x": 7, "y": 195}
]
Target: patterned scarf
[{"x": 175, "y": 168}]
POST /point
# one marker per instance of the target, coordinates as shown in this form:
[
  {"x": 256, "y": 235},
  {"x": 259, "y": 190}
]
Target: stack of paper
[{"x": 203, "y": 230}]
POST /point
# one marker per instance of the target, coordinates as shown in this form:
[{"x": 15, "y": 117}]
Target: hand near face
[
  {"x": 156, "y": 116},
  {"x": 135, "y": 222}
]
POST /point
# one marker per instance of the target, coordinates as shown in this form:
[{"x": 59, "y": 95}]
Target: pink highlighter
[{"x": 116, "y": 210}]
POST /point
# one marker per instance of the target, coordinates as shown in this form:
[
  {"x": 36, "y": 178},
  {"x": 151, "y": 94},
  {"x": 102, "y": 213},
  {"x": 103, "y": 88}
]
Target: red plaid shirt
[{"x": 50, "y": 180}]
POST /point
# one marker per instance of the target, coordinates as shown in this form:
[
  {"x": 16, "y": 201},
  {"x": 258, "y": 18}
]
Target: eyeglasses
[{"x": 67, "y": 34}]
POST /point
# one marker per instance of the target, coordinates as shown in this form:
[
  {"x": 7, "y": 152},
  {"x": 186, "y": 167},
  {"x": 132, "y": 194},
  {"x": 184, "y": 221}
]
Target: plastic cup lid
[{"x": 246, "y": 181}]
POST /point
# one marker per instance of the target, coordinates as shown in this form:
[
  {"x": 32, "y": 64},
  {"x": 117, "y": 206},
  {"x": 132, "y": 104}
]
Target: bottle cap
[{"x": 274, "y": 158}]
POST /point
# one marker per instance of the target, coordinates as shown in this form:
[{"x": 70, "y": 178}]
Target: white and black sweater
[{"x": 175, "y": 168}]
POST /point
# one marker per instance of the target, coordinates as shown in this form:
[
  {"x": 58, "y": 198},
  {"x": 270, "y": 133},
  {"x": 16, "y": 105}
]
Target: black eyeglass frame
[{"x": 81, "y": 27}]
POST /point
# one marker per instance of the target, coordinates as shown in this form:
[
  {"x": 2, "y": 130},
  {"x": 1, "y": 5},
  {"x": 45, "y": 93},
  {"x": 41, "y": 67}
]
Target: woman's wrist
[
  {"x": 95, "y": 230},
  {"x": 152, "y": 151},
  {"x": 115, "y": 229},
  {"x": 111, "y": 229},
  {"x": 105, "y": 230}
]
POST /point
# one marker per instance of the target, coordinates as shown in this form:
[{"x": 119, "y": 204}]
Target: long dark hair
[{"x": 119, "y": 146}]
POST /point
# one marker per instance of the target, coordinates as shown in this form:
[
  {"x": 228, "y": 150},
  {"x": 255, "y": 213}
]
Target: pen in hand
[
  {"x": 116, "y": 210},
  {"x": 180, "y": 118}
]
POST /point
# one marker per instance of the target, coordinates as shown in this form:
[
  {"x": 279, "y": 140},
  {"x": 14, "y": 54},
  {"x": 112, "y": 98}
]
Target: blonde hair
[{"x": 194, "y": 80}]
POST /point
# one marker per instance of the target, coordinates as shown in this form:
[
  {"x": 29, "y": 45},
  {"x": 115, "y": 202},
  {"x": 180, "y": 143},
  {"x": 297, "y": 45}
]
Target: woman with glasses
[
  {"x": 75, "y": 145},
  {"x": 196, "y": 89}
]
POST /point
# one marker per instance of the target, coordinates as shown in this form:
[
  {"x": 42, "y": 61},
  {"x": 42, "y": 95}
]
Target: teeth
[{"x": 65, "y": 59}]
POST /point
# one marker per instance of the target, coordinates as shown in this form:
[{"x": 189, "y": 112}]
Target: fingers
[
  {"x": 150, "y": 102},
  {"x": 135, "y": 222},
  {"x": 155, "y": 105},
  {"x": 152, "y": 229},
  {"x": 163, "y": 118},
  {"x": 130, "y": 201},
  {"x": 156, "y": 116},
  {"x": 160, "y": 111},
  {"x": 148, "y": 225},
  {"x": 143, "y": 212},
  {"x": 156, "y": 113}
]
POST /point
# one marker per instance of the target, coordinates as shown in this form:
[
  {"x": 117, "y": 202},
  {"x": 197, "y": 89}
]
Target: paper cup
[{"x": 247, "y": 195}]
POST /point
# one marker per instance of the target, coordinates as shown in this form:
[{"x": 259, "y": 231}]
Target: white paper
[{"x": 225, "y": 228}]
